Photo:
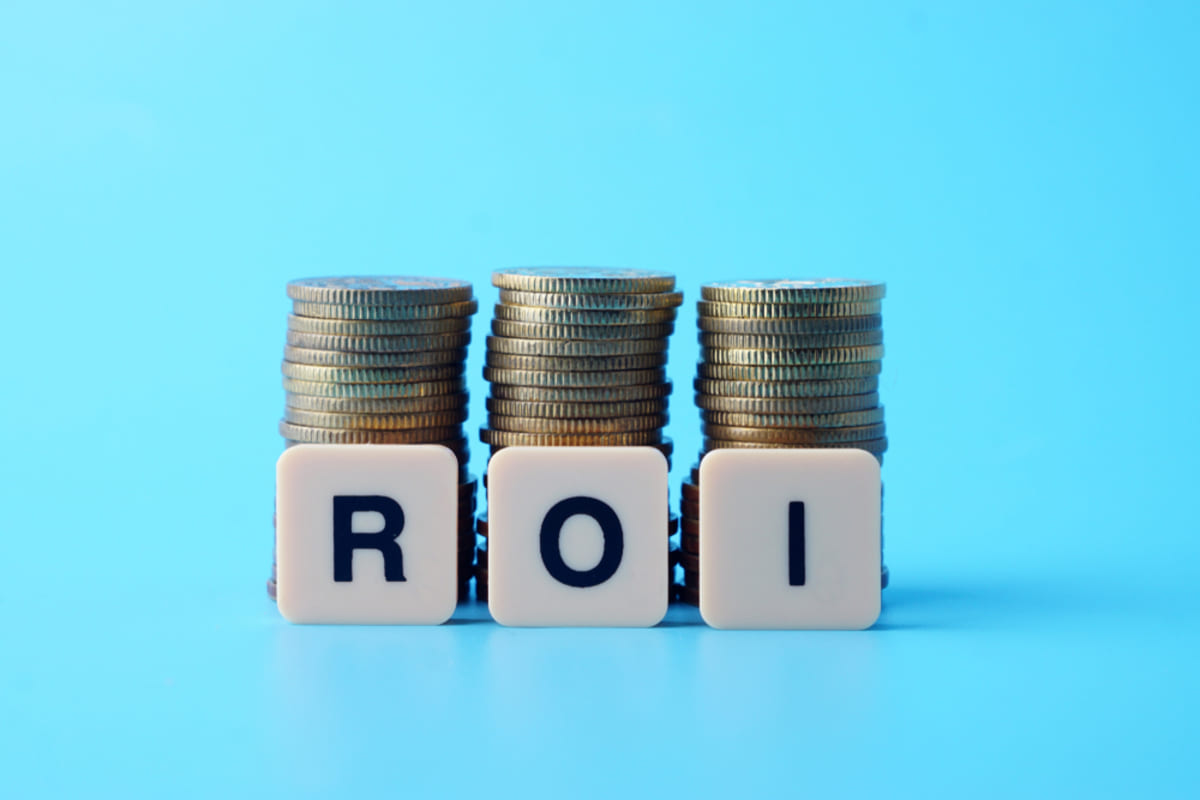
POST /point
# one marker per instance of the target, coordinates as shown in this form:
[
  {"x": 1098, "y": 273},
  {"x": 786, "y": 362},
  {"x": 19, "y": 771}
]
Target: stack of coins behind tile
[
  {"x": 784, "y": 363},
  {"x": 578, "y": 358},
  {"x": 380, "y": 360}
]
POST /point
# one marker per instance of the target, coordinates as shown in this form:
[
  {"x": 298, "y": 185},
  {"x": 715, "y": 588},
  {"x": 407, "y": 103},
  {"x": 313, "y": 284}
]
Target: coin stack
[
  {"x": 578, "y": 358},
  {"x": 784, "y": 363},
  {"x": 380, "y": 360}
]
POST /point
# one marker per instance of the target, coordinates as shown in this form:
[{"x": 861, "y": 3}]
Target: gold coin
[
  {"x": 787, "y": 405},
  {"x": 334, "y": 358},
  {"x": 588, "y": 300},
  {"x": 526, "y": 330},
  {"x": 304, "y": 433},
  {"x": 651, "y": 422},
  {"x": 351, "y": 327},
  {"x": 521, "y": 439},
  {"x": 519, "y": 377},
  {"x": 550, "y": 347},
  {"x": 847, "y": 419},
  {"x": 378, "y": 344},
  {"x": 777, "y": 327},
  {"x": 381, "y": 405},
  {"x": 875, "y": 447},
  {"x": 575, "y": 363},
  {"x": 785, "y": 389},
  {"x": 597, "y": 280},
  {"x": 810, "y": 372},
  {"x": 571, "y": 316},
  {"x": 392, "y": 290},
  {"x": 571, "y": 394},
  {"x": 811, "y": 341},
  {"x": 354, "y": 312},
  {"x": 709, "y": 308},
  {"x": 793, "y": 291},
  {"x": 308, "y": 372},
  {"x": 813, "y": 436},
  {"x": 518, "y": 408},
  {"x": 321, "y": 419},
  {"x": 374, "y": 390}
]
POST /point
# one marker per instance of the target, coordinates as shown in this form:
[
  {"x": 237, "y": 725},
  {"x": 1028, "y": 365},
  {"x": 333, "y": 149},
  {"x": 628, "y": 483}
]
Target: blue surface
[{"x": 1024, "y": 175}]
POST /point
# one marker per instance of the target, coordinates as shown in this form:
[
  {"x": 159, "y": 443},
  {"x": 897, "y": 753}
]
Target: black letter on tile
[
  {"x": 610, "y": 526},
  {"x": 796, "y": 544},
  {"x": 346, "y": 541}
]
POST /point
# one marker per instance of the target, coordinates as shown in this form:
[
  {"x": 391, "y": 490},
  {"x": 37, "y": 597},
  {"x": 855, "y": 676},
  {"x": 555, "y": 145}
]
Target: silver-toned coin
[
  {"x": 380, "y": 290},
  {"x": 378, "y": 344},
  {"x": 334, "y": 358},
  {"x": 370, "y": 327},
  {"x": 711, "y": 308},
  {"x": 842, "y": 419},
  {"x": 787, "y": 405},
  {"x": 794, "y": 290},
  {"x": 631, "y": 377},
  {"x": 308, "y": 372},
  {"x": 814, "y": 436},
  {"x": 427, "y": 388},
  {"x": 575, "y": 363},
  {"x": 591, "y": 301},
  {"x": 589, "y": 394},
  {"x": 811, "y": 341},
  {"x": 600, "y": 280},
  {"x": 575, "y": 349},
  {"x": 813, "y": 372},
  {"x": 525, "y": 408},
  {"x": 800, "y": 388},
  {"x": 789, "y": 326},
  {"x": 359, "y": 312},
  {"x": 379, "y": 405},
  {"x": 574, "y": 316},
  {"x": 828, "y": 355},
  {"x": 524, "y": 330}
]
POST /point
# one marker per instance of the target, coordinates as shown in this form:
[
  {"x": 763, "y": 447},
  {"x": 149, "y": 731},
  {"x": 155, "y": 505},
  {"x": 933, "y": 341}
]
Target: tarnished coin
[
  {"x": 595, "y": 280},
  {"x": 787, "y": 405},
  {"x": 588, "y": 300},
  {"x": 550, "y": 347},
  {"x": 379, "y": 405},
  {"x": 334, "y": 358},
  {"x": 666, "y": 446},
  {"x": 829, "y": 355},
  {"x": 847, "y": 419},
  {"x": 518, "y": 408},
  {"x": 794, "y": 290},
  {"x": 592, "y": 394},
  {"x": 790, "y": 326},
  {"x": 499, "y": 422},
  {"x": 374, "y": 390},
  {"x": 525, "y": 330},
  {"x": 575, "y": 363},
  {"x": 799, "y": 388},
  {"x": 519, "y": 439},
  {"x": 690, "y": 492},
  {"x": 353, "y": 327},
  {"x": 876, "y": 447},
  {"x": 812, "y": 372},
  {"x": 709, "y": 308},
  {"x": 520, "y": 377},
  {"x": 810, "y": 341},
  {"x": 378, "y": 344},
  {"x": 308, "y": 372},
  {"x": 321, "y": 419},
  {"x": 380, "y": 290},
  {"x": 689, "y": 543},
  {"x": 813, "y": 436},
  {"x": 572, "y": 316},
  {"x": 352, "y": 312},
  {"x": 303, "y": 433}
]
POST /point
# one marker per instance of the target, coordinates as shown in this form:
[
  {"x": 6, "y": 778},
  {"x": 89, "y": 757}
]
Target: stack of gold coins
[
  {"x": 380, "y": 360},
  {"x": 578, "y": 357},
  {"x": 784, "y": 363}
]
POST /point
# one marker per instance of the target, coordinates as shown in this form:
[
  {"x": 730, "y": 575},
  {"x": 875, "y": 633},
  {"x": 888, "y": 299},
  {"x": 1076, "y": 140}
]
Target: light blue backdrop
[{"x": 1024, "y": 175}]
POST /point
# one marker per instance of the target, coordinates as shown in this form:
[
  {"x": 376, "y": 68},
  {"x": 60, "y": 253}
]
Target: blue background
[{"x": 1024, "y": 176}]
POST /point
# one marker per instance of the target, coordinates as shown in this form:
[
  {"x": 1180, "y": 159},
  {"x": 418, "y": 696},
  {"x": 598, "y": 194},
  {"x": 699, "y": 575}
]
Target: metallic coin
[
  {"x": 519, "y": 377},
  {"x": 352, "y": 327},
  {"x": 459, "y": 447},
  {"x": 688, "y": 542},
  {"x": 549, "y": 347},
  {"x": 595, "y": 280},
  {"x": 874, "y": 446},
  {"x": 814, "y": 436},
  {"x": 525, "y": 330},
  {"x": 848, "y": 419},
  {"x": 666, "y": 446},
  {"x": 303, "y": 433},
  {"x": 774, "y": 327},
  {"x": 334, "y": 358},
  {"x": 594, "y": 394},
  {"x": 320, "y": 419},
  {"x": 517, "y": 408},
  {"x": 787, "y": 405},
  {"x": 308, "y": 372},
  {"x": 374, "y": 390},
  {"x": 800, "y": 388},
  {"x": 689, "y": 562},
  {"x": 811, "y": 341},
  {"x": 521, "y": 439},
  {"x": 708, "y": 308},
  {"x": 571, "y": 316},
  {"x": 690, "y": 508},
  {"x": 499, "y": 422},
  {"x": 831, "y": 355},
  {"x": 383, "y": 405},
  {"x": 380, "y": 290},
  {"x": 575, "y": 363},
  {"x": 812, "y": 372},
  {"x": 793, "y": 291},
  {"x": 378, "y": 344},
  {"x": 690, "y": 492},
  {"x": 588, "y": 300},
  {"x": 355, "y": 312}
]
